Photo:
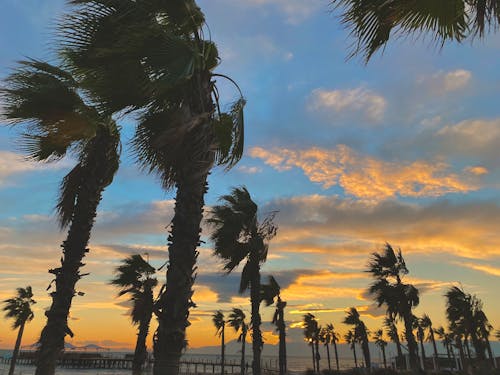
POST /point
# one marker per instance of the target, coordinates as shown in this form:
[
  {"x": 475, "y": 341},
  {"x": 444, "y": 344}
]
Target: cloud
[
  {"x": 249, "y": 170},
  {"x": 12, "y": 164},
  {"x": 353, "y": 102},
  {"x": 489, "y": 270},
  {"x": 367, "y": 177},
  {"x": 442, "y": 82},
  {"x": 295, "y": 11}
]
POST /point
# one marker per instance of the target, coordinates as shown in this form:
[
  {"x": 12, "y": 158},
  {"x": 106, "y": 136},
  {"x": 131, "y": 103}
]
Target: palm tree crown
[
  {"x": 353, "y": 318},
  {"x": 19, "y": 307},
  {"x": 219, "y": 322},
  {"x": 373, "y": 22}
]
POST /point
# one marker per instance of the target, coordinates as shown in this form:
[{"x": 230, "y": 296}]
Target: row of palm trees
[
  {"x": 467, "y": 320},
  {"x": 150, "y": 59}
]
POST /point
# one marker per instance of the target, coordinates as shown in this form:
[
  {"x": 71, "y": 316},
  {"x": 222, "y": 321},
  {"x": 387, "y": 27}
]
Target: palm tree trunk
[
  {"x": 336, "y": 355},
  {"x": 256, "y": 319},
  {"x": 74, "y": 250},
  {"x": 15, "y": 354},
  {"x": 328, "y": 357},
  {"x": 355, "y": 357},
  {"x": 222, "y": 355},
  {"x": 366, "y": 351},
  {"x": 313, "y": 356},
  {"x": 282, "y": 338},
  {"x": 422, "y": 350},
  {"x": 490, "y": 352},
  {"x": 316, "y": 345},
  {"x": 467, "y": 348},
  {"x": 140, "y": 353},
  {"x": 410, "y": 339},
  {"x": 383, "y": 356},
  {"x": 460, "y": 347},
  {"x": 243, "y": 364},
  {"x": 436, "y": 359}
]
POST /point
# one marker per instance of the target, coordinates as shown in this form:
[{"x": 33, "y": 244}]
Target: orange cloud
[{"x": 366, "y": 177}]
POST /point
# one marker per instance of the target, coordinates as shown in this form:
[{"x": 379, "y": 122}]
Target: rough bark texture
[
  {"x": 412, "y": 343},
  {"x": 172, "y": 308},
  {"x": 256, "y": 319},
  {"x": 16, "y": 349},
  {"x": 96, "y": 177}
]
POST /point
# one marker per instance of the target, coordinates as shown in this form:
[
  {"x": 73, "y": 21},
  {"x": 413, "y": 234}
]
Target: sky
[{"x": 403, "y": 150}]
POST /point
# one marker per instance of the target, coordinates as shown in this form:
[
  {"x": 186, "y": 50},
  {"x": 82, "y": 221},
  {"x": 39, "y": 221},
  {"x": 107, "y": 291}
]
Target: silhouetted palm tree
[
  {"x": 426, "y": 323},
  {"x": 392, "y": 332},
  {"x": 57, "y": 121},
  {"x": 151, "y": 56},
  {"x": 462, "y": 312},
  {"x": 311, "y": 335},
  {"x": 333, "y": 339},
  {"x": 353, "y": 318},
  {"x": 378, "y": 336},
  {"x": 271, "y": 291},
  {"x": 484, "y": 330},
  {"x": 373, "y": 22},
  {"x": 420, "y": 336},
  {"x": 389, "y": 269},
  {"x": 220, "y": 324},
  {"x": 351, "y": 339},
  {"x": 135, "y": 278},
  {"x": 238, "y": 235},
  {"x": 19, "y": 309},
  {"x": 446, "y": 340},
  {"x": 237, "y": 321},
  {"x": 325, "y": 336}
]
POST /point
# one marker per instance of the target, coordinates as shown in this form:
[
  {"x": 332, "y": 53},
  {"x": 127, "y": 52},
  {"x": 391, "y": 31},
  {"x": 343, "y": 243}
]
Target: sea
[{"x": 296, "y": 364}]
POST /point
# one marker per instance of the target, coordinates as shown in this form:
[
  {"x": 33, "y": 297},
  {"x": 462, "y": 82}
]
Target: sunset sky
[{"x": 405, "y": 150}]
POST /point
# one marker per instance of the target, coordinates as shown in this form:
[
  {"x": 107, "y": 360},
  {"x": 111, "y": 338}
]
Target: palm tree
[
  {"x": 57, "y": 121},
  {"x": 388, "y": 269},
  {"x": 151, "y": 57},
  {"x": 464, "y": 313},
  {"x": 497, "y": 334},
  {"x": 421, "y": 337},
  {"x": 373, "y": 22},
  {"x": 447, "y": 341},
  {"x": 19, "y": 309},
  {"x": 238, "y": 235},
  {"x": 271, "y": 291},
  {"x": 311, "y": 335},
  {"x": 426, "y": 323},
  {"x": 220, "y": 324},
  {"x": 484, "y": 329},
  {"x": 237, "y": 321},
  {"x": 333, "y": 339},
  {"x": 326, "y": 338},
  {"x": 353, "y": 318},
  {"x": 392, "y": 332},
  {"x": 135, "y": 278},
  {"x": 351, "y": 339},
  {"x": 378, "y": 336}
]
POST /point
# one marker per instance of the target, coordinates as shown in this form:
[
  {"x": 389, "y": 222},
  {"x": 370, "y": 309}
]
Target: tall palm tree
[
  {"x": 446, "y": 340},
  {"x": 351, "y": 339},
  {"x": 426, "y": 323},
  {"x": 463, "y": 312},
  {"x": 484, "y": 329},
  {"x": 151, "y": 57},
  {"x": 57, "y": 121},
  {"x": 239, "y": 236},
  {"x": 388, "y": 269},
  {"x": 135, "y": 278},
  {"x": 19, "y": 309},
  {"x": 271, "y": 291},
  {"x": 326, "y": 339},
  {"x": 220, "y": 325},
  {"x": 378, "y": 336},
  {"x": 333, "y": 339},
  {"x": 372, "y": 23},
  {"x": 353, "y": 318},
  {"x": 421, "y": 337},
  {"x": 393, "y": 334},
  {"x": 311, "y": 335},
  {"x": 237, "y": 321}
]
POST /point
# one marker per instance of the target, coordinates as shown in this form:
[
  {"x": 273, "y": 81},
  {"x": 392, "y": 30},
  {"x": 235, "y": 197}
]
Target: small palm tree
[
  {"x": 19, "y": 309},
  {"x": 334, "y": 339},
  {"x": 237, "y": 236},
  {"x": 353, "y": 318},
  {"x": 388, "y": 269},
  {"x": 311, "y": 335},
  {"x": 220, "y": 325},
  {"x": 447, "y": 341},
  {"x": 426, "y": 323},
  {"x": 420, "y": 336},
  {"x": 271, "y": 291},
  {"x": 135, "y": 278},
  {"x": 351, "y": 339},
  {"x": 378, "y": 336},
  {"x": 325, "y": 338},
  {"x": 47, "y": 102},
  {"x": 393, "y": 334},
  {"x": 237, "y": 321}
]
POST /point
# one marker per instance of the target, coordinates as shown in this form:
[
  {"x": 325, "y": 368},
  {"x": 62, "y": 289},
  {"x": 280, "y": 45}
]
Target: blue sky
[{"x": 404, "y": 150}]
